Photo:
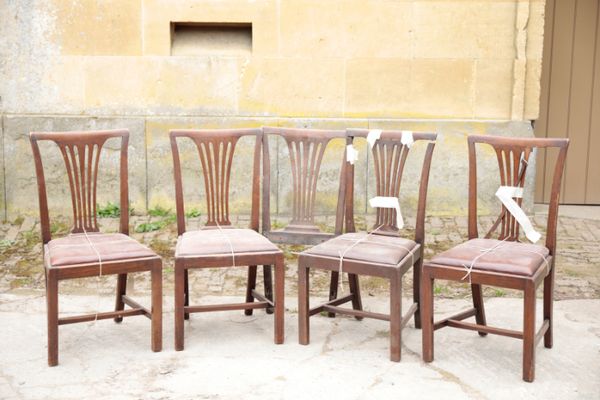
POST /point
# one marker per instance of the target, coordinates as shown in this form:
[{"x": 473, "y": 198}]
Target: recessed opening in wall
[{"x": 192, "y": 39}]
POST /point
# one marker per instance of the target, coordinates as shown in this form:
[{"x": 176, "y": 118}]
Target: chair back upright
[
  {"x": 216, "y": 148},
  {"x": 389, "y": 157},
  {"x": 80, "y": 151},
  {"x": 306, "y": 148},
  {"x": 513, "y": 155}
]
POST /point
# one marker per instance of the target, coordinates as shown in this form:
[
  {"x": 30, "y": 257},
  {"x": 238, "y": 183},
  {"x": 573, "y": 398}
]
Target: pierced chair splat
[
  {"x": 306, "y": 150},
  {"x": 219, "y": 244},
  {"x": 501, "y": 261},
  {"x": 382, "y": 252},
  {"x": 87, "y": 252}
]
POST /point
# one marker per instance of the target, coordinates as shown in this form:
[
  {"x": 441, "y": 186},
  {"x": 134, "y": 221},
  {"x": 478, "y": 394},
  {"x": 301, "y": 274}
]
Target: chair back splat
[
  {"x": 81, "y": 154},
  {"x": 215, "y": 150},
  {"x": 389, "y": 159},
  {"x": 306, "y": 148},
  {"x": 513, "y": 160}
]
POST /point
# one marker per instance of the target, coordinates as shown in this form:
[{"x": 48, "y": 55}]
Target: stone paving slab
[{"x": 231, "y": 356}]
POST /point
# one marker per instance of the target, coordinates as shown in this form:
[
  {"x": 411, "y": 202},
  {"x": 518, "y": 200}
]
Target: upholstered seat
[
  {"x": 360, "y": 246},
  {"x": 506, "y": 257},
  {"x": 76, "y": 249},
  {"x": 207, "y": 242}
]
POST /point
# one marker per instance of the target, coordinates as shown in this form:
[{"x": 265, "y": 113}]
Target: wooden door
[{"x": 570, "y": 99}]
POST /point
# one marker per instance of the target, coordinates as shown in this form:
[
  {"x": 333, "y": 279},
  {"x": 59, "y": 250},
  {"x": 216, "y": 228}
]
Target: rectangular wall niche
[{"x": 194, "y": 39}]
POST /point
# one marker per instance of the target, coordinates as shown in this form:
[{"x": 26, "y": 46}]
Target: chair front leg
[
  {"x": 279, "y": 299},
  {"x": 121, "y": 290},
  {"x": 52, "y": 311},
  {"x": 355, "y": 291},
  {"x": 427, "y": 314},
  {"x": 529, "y": 334},
  {"x": 157, "y": 306},
  {"x": 250, "y": 286},
  {"x": 396, "y": 317},
  {"x": 179, "y": 304},
  {"x": 268, "y": 281},
  {"x": 303, "y": 304},
  {"x": 477, "y": 293}
]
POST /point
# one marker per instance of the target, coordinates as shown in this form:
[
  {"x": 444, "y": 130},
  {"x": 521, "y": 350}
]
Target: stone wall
[{"x": 453, "y": 66}]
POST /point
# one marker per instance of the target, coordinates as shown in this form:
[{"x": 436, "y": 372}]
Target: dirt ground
[{"x": 577, "y": 274}]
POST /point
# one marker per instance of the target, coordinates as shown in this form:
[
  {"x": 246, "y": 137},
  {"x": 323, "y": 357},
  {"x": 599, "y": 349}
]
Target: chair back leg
[
  {"x": 303, "y": 305},
  {"x": 355, "y": 291},
  {"x": 279, "y": 299},
  {"x": 426, "y": 307},
  {"x": 548, "y": 307},
  {"x": 156, "y": 310},
  {"x": 333, "y": 289},
  {"x": 250, "y": 286},
  {"x": 477, "y": 293},
  {"x": 121, "y": 291}
]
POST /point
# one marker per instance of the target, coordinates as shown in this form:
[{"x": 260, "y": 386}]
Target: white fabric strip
[
  {"x": 407, "y": 138},
  {"x": 373, "y": 136},
  {"x": 506, "y": 194},
  {"x": 351, "y": 154},
  {"x": 389, "y": 202}
]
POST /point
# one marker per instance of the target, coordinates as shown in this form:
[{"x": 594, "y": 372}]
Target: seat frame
[
  {"x": 216, "y": 168},
  {"x": 388, "y": 175},
  {"x": 512, "y": 173},
  {"x": 82, "y": 173}
]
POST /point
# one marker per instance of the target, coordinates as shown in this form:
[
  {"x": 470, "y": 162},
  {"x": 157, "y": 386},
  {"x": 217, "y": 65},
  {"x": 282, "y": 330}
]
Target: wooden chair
[
  {"x": 382, "y": 252},
  {"x": 503, "y": 262},
  {"x": 219, "y": 244},
  {"x": 306, "y": 148},
  {"x": 86, "y": 252}
]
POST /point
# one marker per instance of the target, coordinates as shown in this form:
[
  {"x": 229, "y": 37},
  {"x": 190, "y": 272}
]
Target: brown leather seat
[
  {"x": 507, "y": 257},
  {"x": 207, "y": 242},
  {"x": 378, "y": 249},
  {"x": 76, "y": 249}
]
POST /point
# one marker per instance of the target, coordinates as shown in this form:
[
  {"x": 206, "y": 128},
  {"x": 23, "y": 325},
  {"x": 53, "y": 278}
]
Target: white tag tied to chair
[
  {"x": 407, "y": 138},
  {"x": 351, "y": 154},
  {"x": 388, "y": 202},
  {"x": 373, "y": 136},
  {"x": 506, "y": 194}
]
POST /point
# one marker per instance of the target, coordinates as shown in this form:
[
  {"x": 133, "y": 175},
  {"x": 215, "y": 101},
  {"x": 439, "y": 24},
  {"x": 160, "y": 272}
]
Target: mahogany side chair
[
  {"x": 306, "y": 149},
  {"x": 504, "y": 262},
  {"x": 219, "y": 244},
  {"x": 383, "y": 252},
  {"x": 86, "y": 252}
]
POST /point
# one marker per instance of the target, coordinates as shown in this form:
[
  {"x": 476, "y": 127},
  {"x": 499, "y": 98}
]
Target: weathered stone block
[
  {"x": 21, "y": 185},
  {"x": 464, "y": 29},
  {"x": 377, "y": 87},
  {"x": 93, "y": 27},
  {"x": 355, "y": 28},
  {"x": 442, "y": 88},
  {"x": 161, "y": 85},
  {"x": 493, "y": 88},
  {"x": 292, "y": 87}
]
